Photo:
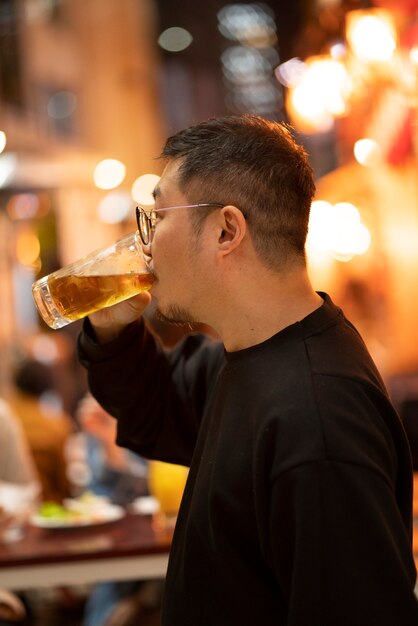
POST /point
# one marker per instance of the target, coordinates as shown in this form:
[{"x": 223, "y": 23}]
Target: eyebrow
[{"x": 156, "y": 193}]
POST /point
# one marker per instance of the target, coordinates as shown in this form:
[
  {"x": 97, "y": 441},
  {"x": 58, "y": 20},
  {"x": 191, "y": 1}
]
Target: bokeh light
[
  {"x": 291, "y": 73},
  {"x": 23, "y": 206},
  {"x": 3, "y": 140},
  {"x": 248, "y": 64},
  {"x": 320, "y": 95},
  {"x": 114, "y": 207},
  {"x": 320, "y": 225},
  {"x": 250, "y": 24},
  {"x": 27, "y": 248},
  {"x": 143, "y": 188},
  {"x": 8, "y": 165},
  {"x": 241, "y": 64},
  {"x": 62, "y": 104},
  {"x": 372, "y": 38},
  {"x": 367, "y": 152},
  {"x": 175, "y": 39},
  {"x": 337, "y": 230},
  {"x": 413, "y": 55},
  {"x": 109, "y": 173}
]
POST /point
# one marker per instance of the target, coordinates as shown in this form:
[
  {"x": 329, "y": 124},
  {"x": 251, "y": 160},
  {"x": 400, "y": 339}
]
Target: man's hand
[{"x": 109, "y": 322}]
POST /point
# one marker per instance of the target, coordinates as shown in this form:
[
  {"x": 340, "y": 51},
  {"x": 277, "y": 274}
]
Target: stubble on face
[{"x": 175, "y": 315}]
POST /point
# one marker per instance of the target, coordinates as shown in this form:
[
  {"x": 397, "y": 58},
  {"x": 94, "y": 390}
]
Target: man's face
[{"x": 175, "y": 255}]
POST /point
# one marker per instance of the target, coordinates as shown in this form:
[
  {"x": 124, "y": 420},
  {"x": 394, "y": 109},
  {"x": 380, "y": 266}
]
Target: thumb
[{"x": 139, "y": 303}]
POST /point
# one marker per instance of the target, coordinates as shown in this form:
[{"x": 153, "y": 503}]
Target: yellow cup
[{"x": 167, "y": 482}]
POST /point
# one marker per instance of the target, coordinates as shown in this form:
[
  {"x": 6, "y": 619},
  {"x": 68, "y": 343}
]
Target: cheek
[{"x": 165, "y": 251}]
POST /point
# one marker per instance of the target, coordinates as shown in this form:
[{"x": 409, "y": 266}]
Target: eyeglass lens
[{"x": 144, "y": 226}]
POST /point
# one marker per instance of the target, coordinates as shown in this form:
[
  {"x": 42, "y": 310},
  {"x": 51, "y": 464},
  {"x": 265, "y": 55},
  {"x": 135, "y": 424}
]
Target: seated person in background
[
  {"x": 16, "y": 463},
  {"x": 19, "y": 487},
  {"x": 45, "y": 425},
  {"x": 122, "y": 476},
  {"x": 115, "y": 472}
]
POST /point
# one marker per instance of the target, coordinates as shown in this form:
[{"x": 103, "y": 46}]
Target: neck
[{"x": 261, "y": 305}]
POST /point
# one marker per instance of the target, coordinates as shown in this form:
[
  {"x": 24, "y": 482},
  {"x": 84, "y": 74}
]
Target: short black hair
[{"x": 257, "y": 165}]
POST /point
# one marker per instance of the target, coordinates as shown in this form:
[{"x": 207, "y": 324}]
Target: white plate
[
  {"x": 145, "y": 505},
  {"x": 107, "y": 514}
]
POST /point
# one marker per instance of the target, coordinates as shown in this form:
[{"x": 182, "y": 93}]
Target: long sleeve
[{"x": 157, "y": 396}]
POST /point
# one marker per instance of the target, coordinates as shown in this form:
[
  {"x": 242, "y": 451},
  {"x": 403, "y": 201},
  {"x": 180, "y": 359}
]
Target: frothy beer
[{"x": 76, "y": 296}]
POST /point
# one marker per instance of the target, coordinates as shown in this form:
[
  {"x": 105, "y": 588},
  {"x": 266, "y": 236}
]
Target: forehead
[{"x": 167, "y": 188}]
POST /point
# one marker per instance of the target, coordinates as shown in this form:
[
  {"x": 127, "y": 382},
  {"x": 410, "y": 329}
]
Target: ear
[{"x": 232, "y": 226}]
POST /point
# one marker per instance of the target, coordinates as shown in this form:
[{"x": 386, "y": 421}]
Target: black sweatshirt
[{"x": 297, "y": 509}]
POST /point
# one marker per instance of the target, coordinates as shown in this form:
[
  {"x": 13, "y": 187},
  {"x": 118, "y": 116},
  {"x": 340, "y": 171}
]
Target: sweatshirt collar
[{"x": 324, "y": 316}]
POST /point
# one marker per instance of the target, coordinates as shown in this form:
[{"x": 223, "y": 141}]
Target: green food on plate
[{"x": 54, "y": 510}]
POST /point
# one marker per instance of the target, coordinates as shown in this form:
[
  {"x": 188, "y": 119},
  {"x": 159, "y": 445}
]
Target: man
[{"x": 297, "y": 510}]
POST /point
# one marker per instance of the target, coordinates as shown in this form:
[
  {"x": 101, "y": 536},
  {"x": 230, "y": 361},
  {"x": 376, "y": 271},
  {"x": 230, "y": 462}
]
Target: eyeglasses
[{"x": 146, "y": 220}]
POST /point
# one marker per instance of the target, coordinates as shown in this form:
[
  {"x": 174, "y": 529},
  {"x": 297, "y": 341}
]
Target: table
[{"x": 135, "y": 547}]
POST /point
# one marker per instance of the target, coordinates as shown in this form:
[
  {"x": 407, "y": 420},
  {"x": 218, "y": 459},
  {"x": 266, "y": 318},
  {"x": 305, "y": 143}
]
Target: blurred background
[{"x": 90, "y": 89}]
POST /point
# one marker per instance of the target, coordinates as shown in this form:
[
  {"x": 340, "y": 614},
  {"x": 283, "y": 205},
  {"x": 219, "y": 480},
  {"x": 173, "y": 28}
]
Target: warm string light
[{"x": 321, "y": 88}]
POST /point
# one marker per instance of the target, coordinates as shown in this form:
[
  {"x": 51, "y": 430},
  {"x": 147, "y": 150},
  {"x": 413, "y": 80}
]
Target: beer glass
[{"x": 99, "y": 279}]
